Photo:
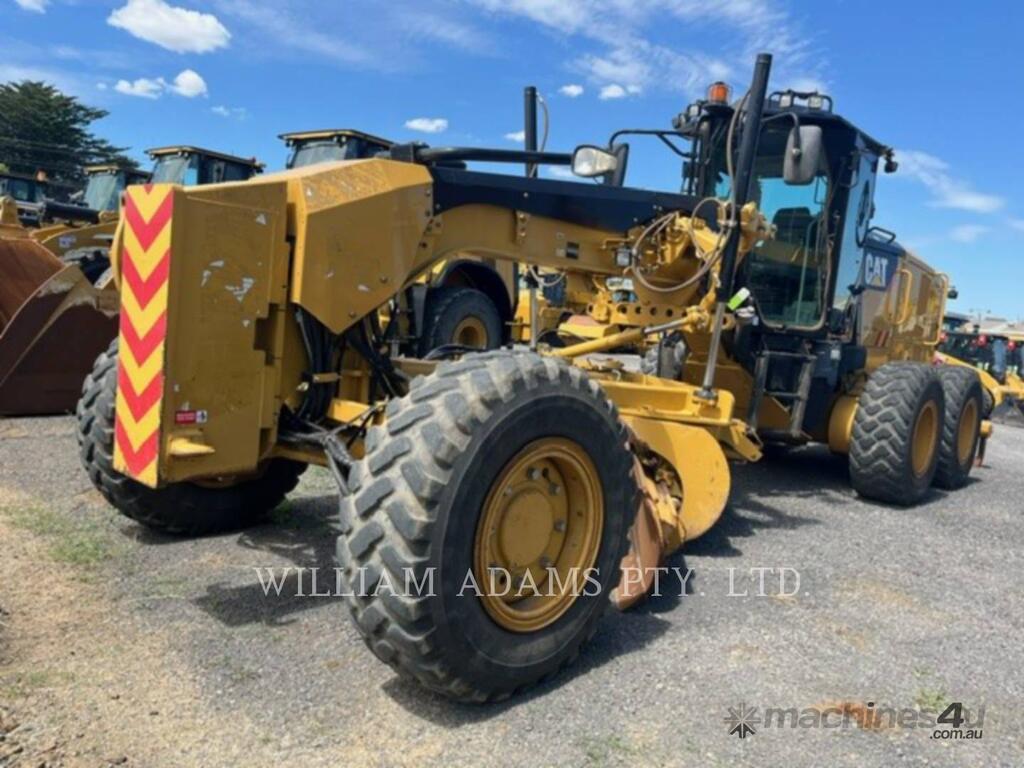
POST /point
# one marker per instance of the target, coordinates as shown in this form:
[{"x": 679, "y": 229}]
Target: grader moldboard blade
[{"x": 53, "y": 325}]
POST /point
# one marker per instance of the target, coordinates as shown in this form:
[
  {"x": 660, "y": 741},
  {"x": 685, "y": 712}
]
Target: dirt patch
[{"x": 81, "y": 684}]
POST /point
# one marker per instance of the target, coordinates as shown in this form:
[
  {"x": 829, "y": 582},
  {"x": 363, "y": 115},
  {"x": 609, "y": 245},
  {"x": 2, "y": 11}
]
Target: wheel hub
[
  {"x": 925, "y": 439},
  {"x": 539, "y": 532},
  {"x": 471, "y": 332}
]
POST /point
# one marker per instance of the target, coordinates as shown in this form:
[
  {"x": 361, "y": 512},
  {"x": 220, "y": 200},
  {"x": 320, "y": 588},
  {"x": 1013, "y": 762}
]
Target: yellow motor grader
[
  {"x": 56, "y": 314},
  {"x": 493, "y": 503}
]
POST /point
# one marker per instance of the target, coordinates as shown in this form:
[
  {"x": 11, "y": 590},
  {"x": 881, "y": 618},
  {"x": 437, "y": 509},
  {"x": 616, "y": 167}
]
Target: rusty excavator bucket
[{"x": 53, "y": 325}]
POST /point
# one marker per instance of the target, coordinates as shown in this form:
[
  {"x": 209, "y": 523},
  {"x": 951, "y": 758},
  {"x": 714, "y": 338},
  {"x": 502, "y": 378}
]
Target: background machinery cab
[
  {"x": 311, "y": 147},
  {"x": 190, "y": 166}
]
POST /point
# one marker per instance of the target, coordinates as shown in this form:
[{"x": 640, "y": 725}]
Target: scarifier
[{"x": 764, "y": 303}]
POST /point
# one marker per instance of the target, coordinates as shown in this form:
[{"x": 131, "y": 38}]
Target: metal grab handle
[
  {"x": 903, "y": 311},
  {"x": 942, "y": 302}
]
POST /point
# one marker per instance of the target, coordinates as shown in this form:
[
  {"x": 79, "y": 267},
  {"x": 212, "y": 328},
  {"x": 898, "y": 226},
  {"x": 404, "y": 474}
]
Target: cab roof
[
  {"x": 797, "y": 103},
  {"x": 22, "y": 176},
  {"x": 180, "y": 149},
  {"x": 114, "y": 168},
  {"x": 823, "y": 116},
  {"x": 331, "y": 133}
]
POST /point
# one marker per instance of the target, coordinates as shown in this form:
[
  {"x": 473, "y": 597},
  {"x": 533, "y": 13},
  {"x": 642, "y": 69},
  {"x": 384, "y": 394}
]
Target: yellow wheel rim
[
  {"x": 471, "y": 332},
  {"x": 925, "y": 441},
  {"x": 539, "y": 533},
  {"x": 966, "y": 431}
]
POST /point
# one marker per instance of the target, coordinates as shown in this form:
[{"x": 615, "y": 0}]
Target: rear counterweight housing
[{"x": 203, "y": 290}]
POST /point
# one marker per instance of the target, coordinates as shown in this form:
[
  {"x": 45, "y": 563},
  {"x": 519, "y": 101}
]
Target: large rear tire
[
  {"x": 961, "y": 429},
  {"x": 462, "y": 316},
  {"x": 181, "y": 508},
  {"x": 894, "y": 447},
  {"x": 502, "y": 460}
]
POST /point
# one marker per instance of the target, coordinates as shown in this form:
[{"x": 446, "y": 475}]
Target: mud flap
[{"x": 53, "y": 325}]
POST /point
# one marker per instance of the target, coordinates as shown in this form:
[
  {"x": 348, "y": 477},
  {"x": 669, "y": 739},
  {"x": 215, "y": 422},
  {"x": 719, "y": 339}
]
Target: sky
[{"x": 940, "y": 81}]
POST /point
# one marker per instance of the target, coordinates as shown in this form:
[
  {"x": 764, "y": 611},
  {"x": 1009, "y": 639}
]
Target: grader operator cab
[
  {"x": 56, "y": 314},
  {"x": 464, "y": 302},
  {"x": 525, "y": 486}
]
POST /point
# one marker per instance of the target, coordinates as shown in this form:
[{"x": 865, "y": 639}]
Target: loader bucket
[{"x": 53, "y": 325}]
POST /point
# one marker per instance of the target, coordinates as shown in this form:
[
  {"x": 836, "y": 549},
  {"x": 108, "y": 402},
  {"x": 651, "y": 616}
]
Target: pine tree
[{"x": 44, "y": 130}]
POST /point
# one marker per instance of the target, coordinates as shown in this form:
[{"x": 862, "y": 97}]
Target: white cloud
[
  {"x": 968, "y": 233},
  {"x": 177, "y": 29},
  {"x": 299, "y": 32},
  {"x": 613, "y": 91},
  {"x": 517, "y": 136},
  {"x": 189, "y": 84},
  {"x": 622, "y": 35},
  {"x": 144, "y": 87},
  {"x": 572, "y": 90},
  {"x": 947, "y": 191},
  {"x": 427, "y": 124},
  {"x": 239, "y": 113},
  {"x": 36, "y": 6},
  {"x": 101, "y": 86}
]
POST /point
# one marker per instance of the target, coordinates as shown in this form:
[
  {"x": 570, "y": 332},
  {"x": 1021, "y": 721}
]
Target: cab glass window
[{"x": 788, "y": 273}]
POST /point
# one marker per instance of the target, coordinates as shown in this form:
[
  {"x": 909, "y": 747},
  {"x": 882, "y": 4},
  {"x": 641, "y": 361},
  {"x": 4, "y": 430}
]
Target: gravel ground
[{"x": 121, "y": 647}]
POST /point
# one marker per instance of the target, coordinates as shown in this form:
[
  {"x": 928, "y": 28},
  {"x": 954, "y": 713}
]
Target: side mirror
[
  {"x": 952, "y": 293},
  {"x": 803, "y": 154},
  {"x": 589, "y": 161}
]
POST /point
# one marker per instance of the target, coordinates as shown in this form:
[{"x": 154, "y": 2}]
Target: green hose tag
[{"x": 738, "y": 299}]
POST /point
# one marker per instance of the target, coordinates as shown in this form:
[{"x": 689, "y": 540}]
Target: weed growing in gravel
[
  {"x": 76, "y": 541},
  {"x": 607, "y": 750},
  {"x": 24, "y": 683},
  {"x": 930, "y": 698}
]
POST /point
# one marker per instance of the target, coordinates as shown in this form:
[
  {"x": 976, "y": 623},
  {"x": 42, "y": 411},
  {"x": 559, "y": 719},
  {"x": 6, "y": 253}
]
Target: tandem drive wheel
[{"x": 504, "y": 471}]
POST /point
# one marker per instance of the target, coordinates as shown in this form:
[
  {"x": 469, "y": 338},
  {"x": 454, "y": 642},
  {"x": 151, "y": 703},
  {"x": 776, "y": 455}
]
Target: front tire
[
  {"x": 962, "y": 426},
  {"x": 500, "y": 459},
  {"x": 181, "y": 508},
  {"x": 894, "y": 447}
]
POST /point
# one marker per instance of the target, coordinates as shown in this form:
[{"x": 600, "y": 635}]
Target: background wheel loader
[
  {"x": 29, "y": 195},
  {"x": 464, "y": 302},
  {"x": 81, "y": 234},
  {"x": 53, "y": 320},
  {"x": 491, "y": 503}
]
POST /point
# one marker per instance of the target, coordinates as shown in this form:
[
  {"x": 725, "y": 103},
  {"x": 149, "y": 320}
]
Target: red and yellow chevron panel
[{"x": 145, "y": 267}]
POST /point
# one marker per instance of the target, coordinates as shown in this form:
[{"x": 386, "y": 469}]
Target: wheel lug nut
[
  {"x": 560, "y": 525},
  {"x": 533, "y": 473},
  {"x": 545, "y": 562},
  {"x": 554, "y": 489}
]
